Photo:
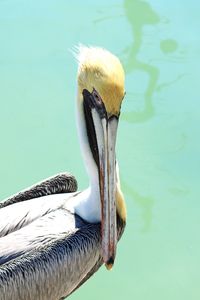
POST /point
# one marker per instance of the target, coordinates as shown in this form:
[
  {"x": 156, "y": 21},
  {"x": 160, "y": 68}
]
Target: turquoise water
[{"x": 158, "y": 140}]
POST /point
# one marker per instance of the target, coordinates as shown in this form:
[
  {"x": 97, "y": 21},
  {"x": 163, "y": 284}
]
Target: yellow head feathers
[{"x": 103, "y": 71}]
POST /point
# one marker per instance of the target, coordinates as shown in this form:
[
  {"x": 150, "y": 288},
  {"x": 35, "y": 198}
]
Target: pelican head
[
  {"x": 101, "y": 91},
  {"x": 102, "y": 71}
]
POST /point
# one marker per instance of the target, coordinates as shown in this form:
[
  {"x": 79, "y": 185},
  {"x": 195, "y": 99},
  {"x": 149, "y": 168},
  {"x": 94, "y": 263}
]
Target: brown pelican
[{"x": 53, "y": 238}]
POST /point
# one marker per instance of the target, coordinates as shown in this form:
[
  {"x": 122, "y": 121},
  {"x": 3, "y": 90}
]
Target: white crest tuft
[{"x": 86, "y": 54}]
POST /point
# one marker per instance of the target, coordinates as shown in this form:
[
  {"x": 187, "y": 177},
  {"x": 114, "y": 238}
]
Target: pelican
[{"x": 53, "y": 237}]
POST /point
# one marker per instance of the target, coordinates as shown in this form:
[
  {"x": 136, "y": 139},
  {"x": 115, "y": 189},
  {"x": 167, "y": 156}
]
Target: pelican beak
[{"x": 101, "y": 131}]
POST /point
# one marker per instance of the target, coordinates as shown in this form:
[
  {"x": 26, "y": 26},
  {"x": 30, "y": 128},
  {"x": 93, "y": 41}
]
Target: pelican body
[{"x": 52, "y": 237}]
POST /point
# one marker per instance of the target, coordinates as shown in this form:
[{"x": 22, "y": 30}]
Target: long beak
[{"x": 102, "y": 131}]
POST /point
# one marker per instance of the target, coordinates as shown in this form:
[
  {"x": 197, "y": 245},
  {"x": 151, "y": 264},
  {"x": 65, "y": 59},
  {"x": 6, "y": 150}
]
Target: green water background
[{"x": 158, "y": 140}]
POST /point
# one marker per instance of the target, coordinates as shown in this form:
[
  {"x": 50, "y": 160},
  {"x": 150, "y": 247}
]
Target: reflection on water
[
  {"x": 139, "y": 14},
  {"x": 168, "y": 45},
  {"x": 145, "y": 203}
]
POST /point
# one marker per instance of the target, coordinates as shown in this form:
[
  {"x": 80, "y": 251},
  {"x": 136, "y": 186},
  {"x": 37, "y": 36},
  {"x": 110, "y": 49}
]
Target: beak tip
[
  {"x": 108, "y": 267},
  {"x": 109, "y": 264}
]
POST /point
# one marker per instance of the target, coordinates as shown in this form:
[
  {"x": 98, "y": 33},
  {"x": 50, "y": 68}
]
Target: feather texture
[{"x": 61, "y": 183}]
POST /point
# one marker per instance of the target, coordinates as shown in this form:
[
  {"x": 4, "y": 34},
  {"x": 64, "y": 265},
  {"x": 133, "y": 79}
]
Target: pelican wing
[
  {"x": 45, "y": 250},
  {"x": 61, "y": 183},
  {"x": 25, "y": 207},
  {"x": 54, "y": 255}
]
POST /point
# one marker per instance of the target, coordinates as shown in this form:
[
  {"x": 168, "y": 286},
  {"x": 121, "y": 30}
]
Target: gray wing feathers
[
  {"x": 21, "y": 214},
  {"x": 61, "y": 183},
  {"x": 54, "y": 270},
  {"x": 38, "y": 233}
]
